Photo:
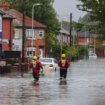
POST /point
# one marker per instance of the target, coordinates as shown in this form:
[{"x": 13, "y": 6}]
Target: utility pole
[
  {"x": 70, "y": 29},
  {"x": 23, "y": 37},
  {"x": 23, "y": 31}
]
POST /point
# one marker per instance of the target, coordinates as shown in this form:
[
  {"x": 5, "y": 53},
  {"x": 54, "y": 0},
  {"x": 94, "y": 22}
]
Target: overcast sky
[{"x": 65, "y": 7}]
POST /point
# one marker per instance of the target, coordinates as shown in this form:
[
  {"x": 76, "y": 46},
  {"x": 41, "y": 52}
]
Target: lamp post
[
  {"x": 61, "y": 34},
  {"x": 85, "y": 43},
  {"x": 36, "y": 4},
  {"x": 61, "y": 26}
]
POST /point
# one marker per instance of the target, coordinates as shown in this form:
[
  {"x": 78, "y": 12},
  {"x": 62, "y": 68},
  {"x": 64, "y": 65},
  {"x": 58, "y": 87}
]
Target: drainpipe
[
  {"x": 70, "y": 29},
  {"x": 10, "y": 36}
]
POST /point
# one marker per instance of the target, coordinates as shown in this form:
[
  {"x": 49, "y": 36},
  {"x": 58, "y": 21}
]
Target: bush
[
  {"x": 74, "y": 52},
  {"x": 83, "y": 51}
]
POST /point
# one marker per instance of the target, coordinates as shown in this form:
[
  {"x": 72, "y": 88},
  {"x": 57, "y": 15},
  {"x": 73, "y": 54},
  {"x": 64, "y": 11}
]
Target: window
[
  {"x": 41, "y": 52},
  {"x": 41, "y": 33},
  {"x": 31, "y": 51},
  {"x": 16, "y": 34},
  {"x": 29, "y": 33}
]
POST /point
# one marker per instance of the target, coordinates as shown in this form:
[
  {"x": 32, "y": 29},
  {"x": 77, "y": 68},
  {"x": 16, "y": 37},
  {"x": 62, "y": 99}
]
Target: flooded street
[{"x": 85, "y": 86}]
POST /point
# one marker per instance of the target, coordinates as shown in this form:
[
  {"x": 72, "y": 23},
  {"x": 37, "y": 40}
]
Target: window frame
[
  {"x": 30, "y": 50},
  {"x": 29, "y": 34},
  {"x": 16, "y": 34},
  {"x": 41, "y": 33}
]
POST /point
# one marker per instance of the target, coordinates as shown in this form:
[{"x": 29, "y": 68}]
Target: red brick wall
[
  {"x": 39, "y": 43},
  {"x": 7, "y": 33}
]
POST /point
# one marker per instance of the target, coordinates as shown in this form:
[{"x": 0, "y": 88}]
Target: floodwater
[{"x": 85, "y": 86}]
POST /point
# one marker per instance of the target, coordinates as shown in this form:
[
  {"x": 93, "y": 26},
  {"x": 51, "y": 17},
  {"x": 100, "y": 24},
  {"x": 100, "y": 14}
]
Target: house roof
[
  {"x": 63, "y": 31},
  {"x": 83, "y": 34},
  {"x": 66, "y": 31},
  {"x": 2, "y": 12},
  {"x": 28, "y": 21},
  {"x": 6, "y": 14}
]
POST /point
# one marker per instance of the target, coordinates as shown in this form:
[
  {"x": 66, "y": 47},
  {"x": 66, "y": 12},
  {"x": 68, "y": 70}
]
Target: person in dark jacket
[
  {"x": 36, "y": 65},
  {"x": 64, "y": 64}
]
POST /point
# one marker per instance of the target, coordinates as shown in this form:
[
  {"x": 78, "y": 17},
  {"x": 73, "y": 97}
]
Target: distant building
[
  {"x": 83, "y": 38},
  {"x": 64, "y": 34}
]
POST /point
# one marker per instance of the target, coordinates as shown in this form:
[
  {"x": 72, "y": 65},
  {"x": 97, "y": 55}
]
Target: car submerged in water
[{"x": 49, "y": 63}]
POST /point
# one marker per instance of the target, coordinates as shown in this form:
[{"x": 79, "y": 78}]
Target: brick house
[
  {"x": 64, "y": 35},
  {"x": 38, "y": 46},
  {"x": 82, "y": 38},
  {"x": 6, "y": 33},
  {"x": 1, "y": 18}
]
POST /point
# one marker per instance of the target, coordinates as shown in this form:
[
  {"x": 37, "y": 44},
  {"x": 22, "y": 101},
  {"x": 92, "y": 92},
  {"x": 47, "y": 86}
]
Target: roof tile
[{"x": 28, "y": 20}]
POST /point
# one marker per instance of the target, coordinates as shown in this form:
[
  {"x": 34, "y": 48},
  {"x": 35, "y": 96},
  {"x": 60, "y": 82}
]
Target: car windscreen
[{"x": 46, "y": 60}]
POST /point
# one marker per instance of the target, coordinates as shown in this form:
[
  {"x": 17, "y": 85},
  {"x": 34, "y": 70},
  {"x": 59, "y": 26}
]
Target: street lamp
[
  {"x": 36, "y": 4},
  {"x": 61, "y": 26},
  {"x": 61, "y": 33},
  {"x": 85, "y": 43}
]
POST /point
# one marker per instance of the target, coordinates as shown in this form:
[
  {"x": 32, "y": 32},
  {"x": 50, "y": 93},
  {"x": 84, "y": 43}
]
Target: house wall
[
  {"x": 64, "y": 38},
  {"x": 38, "y": 42},
  {"x": 17, "y": 40},
  {"x": 83, "y": 41},
  {"x": 7, "y": 34}
]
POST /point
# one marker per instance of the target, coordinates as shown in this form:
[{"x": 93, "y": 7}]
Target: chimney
[{"x": 4, "y": 5}]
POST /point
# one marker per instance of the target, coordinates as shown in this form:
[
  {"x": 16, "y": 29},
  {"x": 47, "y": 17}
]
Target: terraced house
[{"x": 33, "y": 42}]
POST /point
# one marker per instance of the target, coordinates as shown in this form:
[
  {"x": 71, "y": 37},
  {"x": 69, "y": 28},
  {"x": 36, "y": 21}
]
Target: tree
[
  {"x": 91, "y": 25},
  {"x": 51, "y": 41},
  {"x": 96, "y": 8},
  {"x": 45, "y": 13},
  {"x": 74, "y": 52},
  {"x": 56, "y": 51},
  {"x": 83, "y": 51}
]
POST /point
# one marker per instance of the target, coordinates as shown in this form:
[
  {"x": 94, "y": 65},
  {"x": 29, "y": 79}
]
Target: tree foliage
[
  {"x": 44, "y": 13},
  {"x": 74, "y": 52},
  {"x": 83, "y": 51},
  {"x": 56, "y": 51},
  {"x": 96, "y": 8}
]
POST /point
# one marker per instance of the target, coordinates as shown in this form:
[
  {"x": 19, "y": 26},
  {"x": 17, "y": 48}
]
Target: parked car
[
  {"x": 92, "y": 56},
  {"x": 49, "y": 63}
]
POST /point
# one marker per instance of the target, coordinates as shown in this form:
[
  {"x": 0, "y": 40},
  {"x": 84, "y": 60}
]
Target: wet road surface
[{"x": 85, "y": 86}]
